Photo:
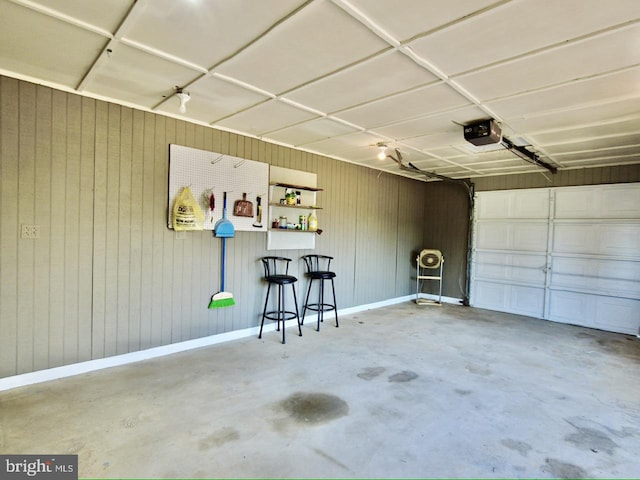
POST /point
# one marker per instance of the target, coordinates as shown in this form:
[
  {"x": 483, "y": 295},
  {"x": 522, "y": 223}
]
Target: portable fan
[{"x": 425, "y": 261}]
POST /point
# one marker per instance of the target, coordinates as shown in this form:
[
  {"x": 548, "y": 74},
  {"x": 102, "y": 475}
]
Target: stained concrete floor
[{"x": 401, "y": 391}]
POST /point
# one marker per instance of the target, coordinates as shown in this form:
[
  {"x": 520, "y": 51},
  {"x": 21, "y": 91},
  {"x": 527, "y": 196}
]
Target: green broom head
[{"x": 222, "y": 299}]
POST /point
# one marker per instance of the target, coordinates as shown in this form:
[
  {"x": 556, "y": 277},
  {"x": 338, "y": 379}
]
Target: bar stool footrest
[
  {"x": 276, "y": 315},
  {"x": 325, "y": 307}
]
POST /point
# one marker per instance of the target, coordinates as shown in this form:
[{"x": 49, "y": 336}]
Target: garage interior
[{"x": 529, "y": 367}]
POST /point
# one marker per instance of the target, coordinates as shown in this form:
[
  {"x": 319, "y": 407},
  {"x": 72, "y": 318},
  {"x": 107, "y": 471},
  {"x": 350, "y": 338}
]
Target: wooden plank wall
[
  {"x": 447, "y": 229},
  {"x": 108, "y": 277},
  {"x": 564, "y": 178}
]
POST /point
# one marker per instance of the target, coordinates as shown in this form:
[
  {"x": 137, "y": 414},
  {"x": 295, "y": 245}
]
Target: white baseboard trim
[{"x": 55, "y": 373}]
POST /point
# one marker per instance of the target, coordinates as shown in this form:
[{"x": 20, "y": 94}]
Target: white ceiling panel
[
  {"x": 344, "y": 143},
  {"x": 440, "y": 122},
  {"x": 583, "y": 133},
  {"x": 585, "y": 115},
  {"x": 600, "y": 89},
  {"x": 104, "y": 15},
  {"x": 385, "y": 74},
  {"x": 630, "y": 151},
  {"x": 404, "y": 19},
  {"x": 617, "y": 49},
  {"x": 312, "y": 131},
  {"x": 320, "y": 39},
  {"x": 601, "y": 162},
  {"x": 430, "y": 164},
  {"x": 519, "y": 27},
  {"x": 214, "y": 99},
  {"x": 205, "y": 32},
  {"x": 404, "y": 106},
  {"x": 266, "y": 117},
  {"x": 561, "y": 77},
  {"x": 137, "y": 77},
  {"x": 594, "y": 144},
  {"x": 437, "y": 140},
  {"x": 42, "y": 50}
]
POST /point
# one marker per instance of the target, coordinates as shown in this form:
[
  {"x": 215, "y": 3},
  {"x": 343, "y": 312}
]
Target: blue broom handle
[{"x": 224, "y": 261}]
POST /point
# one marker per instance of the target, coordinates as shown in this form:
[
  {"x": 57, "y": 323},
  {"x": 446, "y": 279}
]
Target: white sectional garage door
[{"x": 569, "y": 254}]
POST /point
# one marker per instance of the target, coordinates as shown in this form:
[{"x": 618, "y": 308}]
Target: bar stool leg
[
  {"x": 306, "y": 301},
  {"x": 281, "y": 311},
  {"x": 335, "y": 305},
  {"x": 320, "y": 304},
  {"x": 264, "y": 312},
  {"x": 295, "y": 301}
]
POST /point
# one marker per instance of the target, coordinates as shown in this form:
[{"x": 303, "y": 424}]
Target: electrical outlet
[{"x": 30, "y": 231}]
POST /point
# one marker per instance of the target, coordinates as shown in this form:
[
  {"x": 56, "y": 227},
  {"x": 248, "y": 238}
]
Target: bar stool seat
[
  {"x": 276, "y": 272},
  {"x": 319, "y": 268}
]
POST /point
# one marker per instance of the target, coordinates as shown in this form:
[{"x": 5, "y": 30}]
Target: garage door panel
[
  {"x": 606, "y": 313},
  {"x": 533, "y": 204},
  {"x": 579, "y": 203},
  {"x": 502, "y": 297},
  {"x": 520, "y": 236},
  {"x": 619, "y": 201},
  {"x": 587, "y": 274},
  {"x": 620, "y": 313},
  {"x": 570, "y": 307},
  {"x": 511, "y": 267},
  {"x": 620, "y": 240},
  {"x": 597, "y": 239},
  {"x": 530, "y": 237},
  {"x": 611, "y": 276}
]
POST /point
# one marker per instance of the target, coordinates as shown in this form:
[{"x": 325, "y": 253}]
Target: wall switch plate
[{"x": 29, "y": 231}]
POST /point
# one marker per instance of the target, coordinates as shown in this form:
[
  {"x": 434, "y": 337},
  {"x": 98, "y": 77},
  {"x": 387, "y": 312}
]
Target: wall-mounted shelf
[
  {"x": 283, "y": 180},
  {"x": 296, "y": 187},
  {"x": 290, "y": 230},
  {"x": 304, "y": 207}
]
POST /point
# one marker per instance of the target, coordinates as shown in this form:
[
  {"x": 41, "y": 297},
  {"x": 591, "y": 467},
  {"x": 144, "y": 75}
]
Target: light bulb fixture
[
  {"x": 382, "y": 154},
  {"x": 184, "y": 98}
]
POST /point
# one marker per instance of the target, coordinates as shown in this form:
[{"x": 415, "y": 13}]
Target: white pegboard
[{"x": 202, "y": 171}]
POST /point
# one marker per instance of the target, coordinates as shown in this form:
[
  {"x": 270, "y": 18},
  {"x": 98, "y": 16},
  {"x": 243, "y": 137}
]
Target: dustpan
[{"x": 223, "y": 227}]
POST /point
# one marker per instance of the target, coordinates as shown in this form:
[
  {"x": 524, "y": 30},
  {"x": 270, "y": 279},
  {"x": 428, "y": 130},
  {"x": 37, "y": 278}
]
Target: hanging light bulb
[
  {"x": 382, "y": 154},
  {"x": 184, "y": 98}
]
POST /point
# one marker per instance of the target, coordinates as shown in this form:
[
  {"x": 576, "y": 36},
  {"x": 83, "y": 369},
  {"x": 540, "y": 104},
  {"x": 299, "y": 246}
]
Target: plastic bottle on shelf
[{"x": 313, "y": 222}]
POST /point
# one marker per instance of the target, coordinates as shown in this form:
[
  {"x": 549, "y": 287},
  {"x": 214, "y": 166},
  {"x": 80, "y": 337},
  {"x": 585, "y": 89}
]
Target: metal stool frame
[
  {"x": 272, "y": 276},
  {"x": 319, "y": 268}
]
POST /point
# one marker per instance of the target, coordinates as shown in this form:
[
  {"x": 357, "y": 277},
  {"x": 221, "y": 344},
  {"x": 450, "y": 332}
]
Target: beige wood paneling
[
  {"x": 107, "y": 277},
  {"x": 446, "y": 229},
  {"x": 564, "y": 178},
  {"x": 42, "y": 217}
]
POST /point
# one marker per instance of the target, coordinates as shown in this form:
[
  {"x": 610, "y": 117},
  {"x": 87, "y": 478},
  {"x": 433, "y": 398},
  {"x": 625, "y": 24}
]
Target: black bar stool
[
  {"x": 276, "y": 272},
  {"x": 319, "y": 268}
]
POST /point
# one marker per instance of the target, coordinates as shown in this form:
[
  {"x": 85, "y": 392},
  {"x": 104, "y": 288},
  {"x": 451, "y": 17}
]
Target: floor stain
[
  {"x": 591, "y": 439},
  {"x": 522, "y": 448},
  {"x": 314, "y": 408},
  {"x": 331, "y": 459},
  {"x": 370, "y": 373},
  {"x": 460, "y": 391},
  {"x": 403, "y": 376},
  {"x": 560, "y": 469},
  {"x": 219, "y": 438},
  {"x": 584, "y": 335}
]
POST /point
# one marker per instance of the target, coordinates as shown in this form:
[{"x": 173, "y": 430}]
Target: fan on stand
[{"x": 429, "y": 267}]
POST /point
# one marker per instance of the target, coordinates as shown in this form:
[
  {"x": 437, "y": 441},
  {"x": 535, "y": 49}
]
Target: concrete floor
[{"x": 402, "y": 391}]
